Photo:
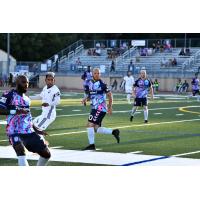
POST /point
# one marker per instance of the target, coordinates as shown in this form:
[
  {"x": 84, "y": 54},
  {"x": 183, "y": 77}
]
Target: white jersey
[
  {"x": 129, "y": 82},
  {"x": 50, "y": 95}
]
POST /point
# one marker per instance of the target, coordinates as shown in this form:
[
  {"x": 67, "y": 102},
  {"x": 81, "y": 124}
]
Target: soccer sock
[
  {"x": 91, "y": 135},
  {"x": 22, "y": 161},
  {"x": 129, "y": 98},
  {"x": 134, "y": 109},
  {"x": 146, "y": 114},
  {"x": 104, "y": 130},
  {"x": 42, "y": 161}
]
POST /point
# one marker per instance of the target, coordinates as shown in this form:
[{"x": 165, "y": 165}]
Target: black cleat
[
  {"x": 131, "y": 118},
  {"x": 145, "y": 121},
  {"x": 84, "y": 103},
  {"x": 90, "y": 147},
  {"x": 115, "y": 133}
]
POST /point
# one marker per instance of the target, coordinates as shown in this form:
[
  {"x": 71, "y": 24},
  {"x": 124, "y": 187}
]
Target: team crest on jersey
[
  {"x": 146, "y": 82},
  {"x": 3, "y": 99}
]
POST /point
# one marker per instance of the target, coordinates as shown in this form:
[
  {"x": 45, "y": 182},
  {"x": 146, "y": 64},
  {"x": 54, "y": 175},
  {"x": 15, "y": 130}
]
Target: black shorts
[
  {"x": 33, "y": 142},
  {"x": 194, "y": 92},
  {"x": 140, "y": 102},
  {"x": 96, "y": 116}
]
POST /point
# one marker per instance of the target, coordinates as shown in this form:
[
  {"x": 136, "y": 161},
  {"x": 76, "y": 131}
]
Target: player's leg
[
  {"x": 134, "y": 108},
  {"x": 145, "y": 108},
  {"x": 34, "y": 144},
  {"x": 17, "y": 145}
]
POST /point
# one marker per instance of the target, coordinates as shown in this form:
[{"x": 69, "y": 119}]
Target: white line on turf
[
  {"x": 122, "y": 111},
  {"x": 3, "y": 140},
  {"x": 179, "y": 114},
  {"x": 129, "y": 126},
  {"x": 157, "y": 113},
  {"x": 136, "y": 152},
  {"x": 76, "y": 110},
  {"x": 56, "y": 147},
  {"x": 184, "y": 154}
]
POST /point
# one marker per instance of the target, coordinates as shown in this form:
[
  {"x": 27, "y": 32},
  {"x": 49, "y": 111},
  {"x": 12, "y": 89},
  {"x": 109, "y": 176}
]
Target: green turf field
[{"x": 173, "y": 128}]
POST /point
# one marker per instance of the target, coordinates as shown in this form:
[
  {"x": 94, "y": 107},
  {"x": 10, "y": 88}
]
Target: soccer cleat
[
  {"x": 90, "y": 147},
  {"x": 84, "y": 103},
  {"x": 145, "y": 121},
  {"x": 131, "y": 118},
  {"x": 116, "y": 133}
]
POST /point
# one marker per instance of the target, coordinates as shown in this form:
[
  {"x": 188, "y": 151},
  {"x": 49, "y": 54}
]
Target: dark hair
[{"x": 50, "y": 74}]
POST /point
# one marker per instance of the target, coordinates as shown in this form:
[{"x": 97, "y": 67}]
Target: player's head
[
  {"x": 96, "y": 74},
  {"x": 50, "y": 79},
  {"x": 143, "y": 74},
  {"x": 22, "y": 83},
  {"x": 129, "y": 73}
]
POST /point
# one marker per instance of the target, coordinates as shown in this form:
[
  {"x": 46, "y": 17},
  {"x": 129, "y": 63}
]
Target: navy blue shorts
[
  {"x": 96, "y": 117},
  {"x": 140, "y": 102},
  {"x": 33, "y": 142},
  {"x": 194, "y": 92}
]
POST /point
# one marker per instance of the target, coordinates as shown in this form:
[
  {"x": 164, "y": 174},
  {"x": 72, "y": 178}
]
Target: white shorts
[
  {"x": 128, "y": 90},
  {"x": 45, "y": 119}
]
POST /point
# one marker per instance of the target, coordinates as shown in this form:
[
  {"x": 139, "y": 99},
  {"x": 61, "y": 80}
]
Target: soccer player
[
  {"x": 97, "y": 92},
  {"x": 86, "y": 77},
  {"x": 128, "y": 81},
  {"x": 140, "y": 92},
  {"x": 20, "y": 131},
  {"x": 195, "y": 85},
  {"x": 50, "y": 96}
]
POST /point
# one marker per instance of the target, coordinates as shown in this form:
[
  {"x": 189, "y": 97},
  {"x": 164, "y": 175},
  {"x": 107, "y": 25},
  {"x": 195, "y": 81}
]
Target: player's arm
[
  {"x": 110, "y": 102},
  {"x": 151, "y": 92},
  {"x": 38, "y": 131},
  {"x": 56, "y": 99},
  {"x": 5, "y": 109}
]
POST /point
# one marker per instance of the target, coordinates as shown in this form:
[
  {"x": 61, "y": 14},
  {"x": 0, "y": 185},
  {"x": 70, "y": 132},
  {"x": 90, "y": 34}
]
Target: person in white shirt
[
  {"x": 129, "y": 82},
  {"x": 50, "y": 96}
]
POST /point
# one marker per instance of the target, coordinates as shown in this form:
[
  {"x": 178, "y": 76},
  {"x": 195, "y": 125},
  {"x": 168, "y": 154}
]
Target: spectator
[
  {"x": 174, "y": 62},
  {"x": 185, "y": 86},
  {"x": 155, "y": 85},
  {"x": 154, "y": 47},
  {"x": 131, "y": 67},
  {"x": 182, "y": 52},
  {"x": 98, "y": 52},
  {"x": 178, "y": 86},
  {"x": 164, "y": 62},
  {"x": 158, "y": 46},
  {"x": 78, "y": 62},
  {"x": 89, "y": 52},
  {"x": 114, "y": 85},
  {"x": 187, "y": 52},
  {"x": 112, "y": 68}
]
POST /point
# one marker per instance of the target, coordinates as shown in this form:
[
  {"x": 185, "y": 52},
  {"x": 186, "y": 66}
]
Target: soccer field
[{"x": 171, "y": 137}]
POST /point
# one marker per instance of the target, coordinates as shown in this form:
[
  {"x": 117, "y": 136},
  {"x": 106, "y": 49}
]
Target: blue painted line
[{"x": 143, "y": 161}]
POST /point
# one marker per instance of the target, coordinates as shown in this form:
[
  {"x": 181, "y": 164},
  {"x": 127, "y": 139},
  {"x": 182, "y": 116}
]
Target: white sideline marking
[
  {"x": 157, "y": 113},
  {"x": 122, "y": 111},
  {"x": 76, "y": 110},
  {"x": 179, "y": 114},
  {"x": 174, "y": 98},
  {"x": 189, "y": 153},
  {"x": 56, "y": 147},
  {"x": 3, "y": 122},
  {"x": 3, "y": 140},
  {"x": 136, "y": 152},
  {"x": 129, "y": 126},
  {"x": 105, "y": 158}
]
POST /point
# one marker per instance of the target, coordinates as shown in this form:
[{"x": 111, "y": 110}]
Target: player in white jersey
[
  {"x": 50, "y": 96},
  {"x": 129, "y": 82}
]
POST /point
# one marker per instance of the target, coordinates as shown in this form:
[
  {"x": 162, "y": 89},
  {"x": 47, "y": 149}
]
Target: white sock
[
  {"x": 134, "y": 109},
  {"x": 22, "y": 161},
  {"x": 91, "y": 135},
  {"x": 128, "y": 98},
  {"x": 146, "y": 114},
  {"x": 42, "y": 161},
  {"x": 104, "y": 130}
]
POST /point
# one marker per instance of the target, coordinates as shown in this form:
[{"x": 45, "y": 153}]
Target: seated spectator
[
  {"x": 182, "y": 52},
  {"x": 149, "y": 52},
  {"x": 174, "y": 62},
  {"x": 185, "y": 86},
  {"x": 131, "y": 67},
  {"x": 161, "y": 48},
  {"x": 178, "y": 86},
  {"x": 143, "y": 52},
  {"x": 97, "y": 52},
  {"x": 78, "y": 62},
  {"x": 187, "y": 52},
  {"x": 164, "y": 62},
  {"x": 154, "y": 46},
  {"x": 89, "y": 52},
  {"x": 158, "y": 46}
]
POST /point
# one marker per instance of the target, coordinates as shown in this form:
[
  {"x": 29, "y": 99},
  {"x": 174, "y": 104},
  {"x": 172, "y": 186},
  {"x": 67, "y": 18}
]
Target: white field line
[
  {"x": 56, "y": 147},
  {"x": 136, "y": 152},
  {"x": 157, "y": 113},
  {"x": 183, "y": 154},
  {"x": 122, "y": 111},
  {"x": 3, "y": 140},
  {"x": 129, "y": 126},
  {"x": 179, "y": 114}
]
